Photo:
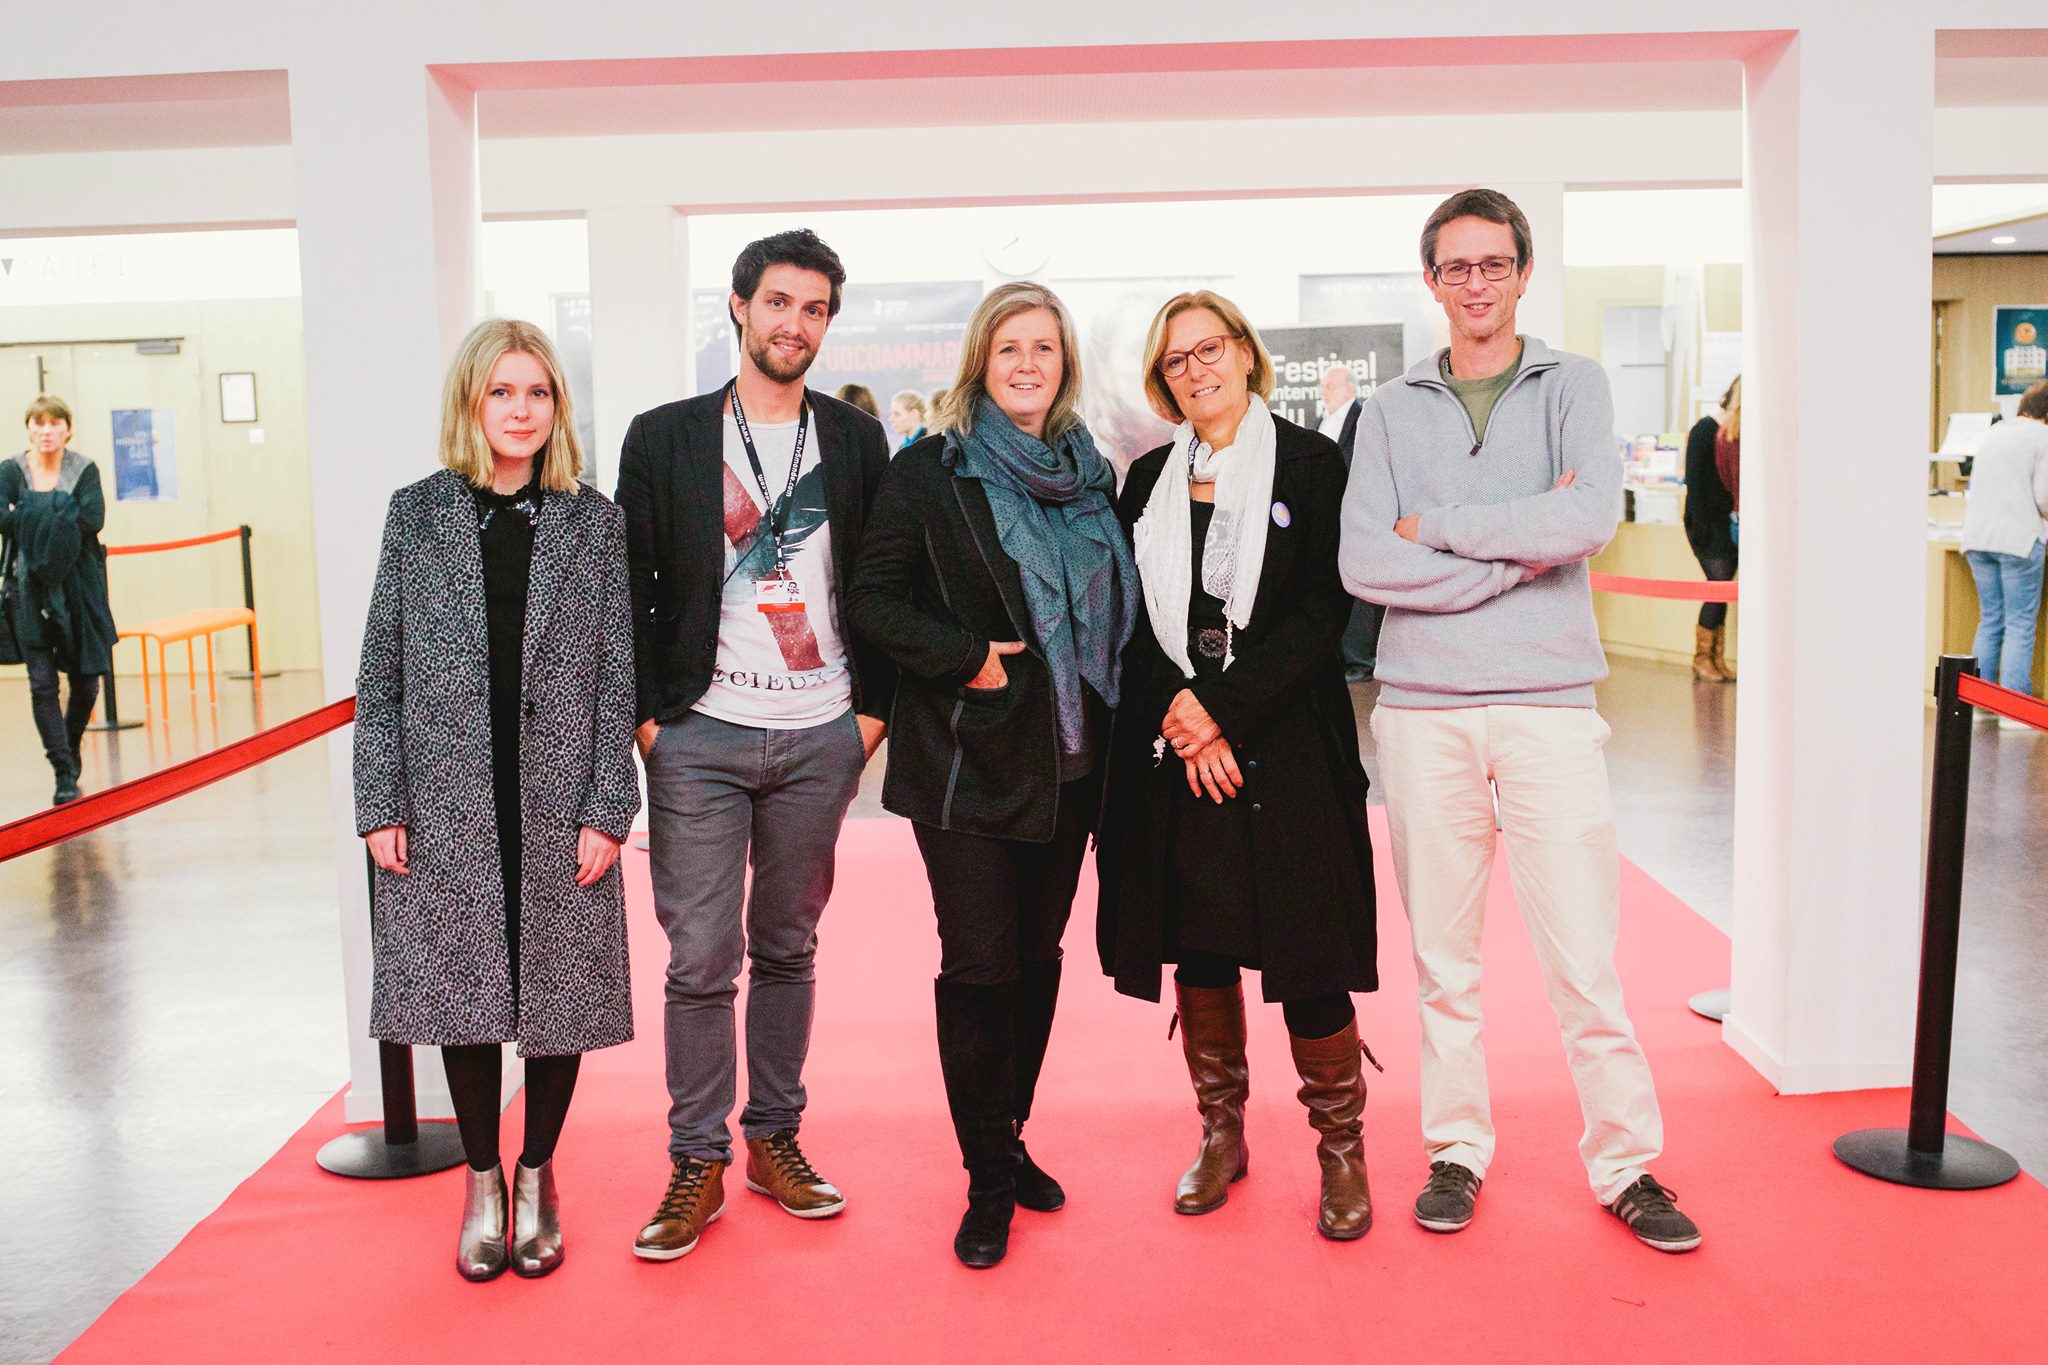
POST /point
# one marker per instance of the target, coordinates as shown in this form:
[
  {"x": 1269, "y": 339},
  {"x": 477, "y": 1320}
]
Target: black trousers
[
  {"x": 1003, "y": 904},
  {"x": 60, "y": 727},
  {"x": 1718, "y": 569}
]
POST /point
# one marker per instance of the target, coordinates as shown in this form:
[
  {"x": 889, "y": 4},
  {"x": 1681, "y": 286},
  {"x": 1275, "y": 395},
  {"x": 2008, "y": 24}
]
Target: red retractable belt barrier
[
  {"x": 2002, "y": 701},
  {"x": 56, "y": 825},
  {"x": 1675, "y": 589},
  {"x": 185, "y": 544}
]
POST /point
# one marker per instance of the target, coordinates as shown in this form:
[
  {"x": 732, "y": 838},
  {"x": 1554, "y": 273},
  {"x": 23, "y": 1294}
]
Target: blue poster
[
  {"x": 145, "y": 455},
  {"x": 2019, "y": 349}
]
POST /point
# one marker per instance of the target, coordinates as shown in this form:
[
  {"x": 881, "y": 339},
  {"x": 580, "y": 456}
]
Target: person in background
[
  {"x": 934, "y": 404},
  {"x": 996, "y": 576},
  {"x": 1484, "y": 480},
  {"x": 862, "y": 397},
  {"x": 1710, "y": 525},
  {"x": 2005, "y": 521},
  {"x": 52, "y": 510},
  {"x": 745, "y": 508},
  {"x": 494, "y": 774},
  {"x": 1341, "y": 406},
  {"x": 906, "y": 417},
  {"x": 1234, "y": 827}
]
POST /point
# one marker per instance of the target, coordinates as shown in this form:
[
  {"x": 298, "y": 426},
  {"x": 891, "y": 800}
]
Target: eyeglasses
[
  {"x": 1208, "y": 350},
  {"x": 1493, "y": 268}
]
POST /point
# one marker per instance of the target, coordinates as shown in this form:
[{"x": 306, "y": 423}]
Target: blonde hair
[
  {"x": 1157, "y": 394},
  {"x": 909, "y": 398},
  {"x": 955, "y": 410},
  {"x": 1731, "y": 407},
  {"x": 464, "y": 448}
]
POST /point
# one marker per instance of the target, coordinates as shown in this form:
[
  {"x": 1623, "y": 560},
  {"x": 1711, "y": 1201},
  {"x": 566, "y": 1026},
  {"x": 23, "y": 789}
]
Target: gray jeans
[{"x": 715, "y": 791}]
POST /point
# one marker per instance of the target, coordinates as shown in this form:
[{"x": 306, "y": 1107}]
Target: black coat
[
  {"x": 1284, "y": 707},
  {"x": 1707, "y": 504},
  {"x": 423, "y": 760},
  {"x": 1347, "y": 435},
  {"x": 933, "y": 589},
  {"x": 57, "y": 563},
  {"x": 671, "y": 487}
]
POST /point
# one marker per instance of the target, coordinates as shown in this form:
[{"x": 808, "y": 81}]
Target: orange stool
[{"x": 188, "y": 626}]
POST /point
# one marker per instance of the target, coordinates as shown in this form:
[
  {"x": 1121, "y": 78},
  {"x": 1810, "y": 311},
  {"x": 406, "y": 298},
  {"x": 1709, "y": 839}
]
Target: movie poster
[
  {"x": 2019, "y": 349},
  {"x": 1371, "y": 351},
  {"x": 145, "y": 455}
]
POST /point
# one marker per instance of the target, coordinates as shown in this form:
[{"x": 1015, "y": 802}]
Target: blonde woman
[
  {"x": 996, "y": 577},
  {"x": 494, "y": 774},
  {"x": 1234, "y": 831}
]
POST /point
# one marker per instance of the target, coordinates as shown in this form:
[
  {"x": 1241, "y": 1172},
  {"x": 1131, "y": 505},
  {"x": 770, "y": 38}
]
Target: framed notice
[
  {"x": 238, "y": 397},
  {"x": 2019, "y": 349},
  {"x": 145, "y": 455}
]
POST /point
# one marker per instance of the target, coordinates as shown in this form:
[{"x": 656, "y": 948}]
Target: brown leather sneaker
[
  {"x": 777, "y": 1167},
  {"x": 695, "y": 1198}
]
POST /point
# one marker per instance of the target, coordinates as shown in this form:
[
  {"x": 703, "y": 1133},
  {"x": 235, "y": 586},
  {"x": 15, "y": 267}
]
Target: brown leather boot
[
  {"x": 1704, "y": 669},
  {"x": 1212, "y": 1040},
  {"x": 1720, "y": 653},
  {"x": 1333, "y": 1088}
]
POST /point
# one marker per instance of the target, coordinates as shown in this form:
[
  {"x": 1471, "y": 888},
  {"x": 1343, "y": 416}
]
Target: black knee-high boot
[
  {"x": 978, "y": 1056},
  {"x": 1038, "y": 993}
]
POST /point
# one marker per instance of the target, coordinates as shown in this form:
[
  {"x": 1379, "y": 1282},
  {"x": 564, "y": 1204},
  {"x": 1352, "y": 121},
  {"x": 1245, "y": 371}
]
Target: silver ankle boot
[
  {"x": 536, "y": 1220},
  {"x": 480, "y": 1254}
]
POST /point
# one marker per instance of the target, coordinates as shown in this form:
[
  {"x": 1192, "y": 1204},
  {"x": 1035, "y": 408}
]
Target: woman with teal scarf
[{"x": 995, "y": 573}]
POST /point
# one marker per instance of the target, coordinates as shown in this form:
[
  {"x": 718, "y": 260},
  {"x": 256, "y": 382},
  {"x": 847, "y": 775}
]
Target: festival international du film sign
[
  {"x": 2019, "y": 349},
  {"x": 145, "y": 455},
  {"x": 1372, "y": 352}
]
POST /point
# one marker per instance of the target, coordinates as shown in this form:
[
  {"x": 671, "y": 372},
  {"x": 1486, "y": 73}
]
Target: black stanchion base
[
  {"x": 1710, "y": 1004},
  {"x": 639, "y": 841},
  {"x": 115, "y": 725},
  {"x": 364, "y": 1154},
  {"x": 1961, "y": 1164},
  {"x": 243, "y": 674}
]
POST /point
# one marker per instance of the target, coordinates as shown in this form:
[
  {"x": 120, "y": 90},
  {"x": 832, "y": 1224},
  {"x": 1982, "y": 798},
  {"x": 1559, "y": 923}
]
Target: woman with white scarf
[{"x": 1234, "y": 829}]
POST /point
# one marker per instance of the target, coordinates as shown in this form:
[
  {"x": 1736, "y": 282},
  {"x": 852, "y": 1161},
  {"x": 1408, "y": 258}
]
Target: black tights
[
  {"x": 1718, "y": 569},
  {"x": 1318, "y": 1016},
  {"x": 474, "y": 1072}
]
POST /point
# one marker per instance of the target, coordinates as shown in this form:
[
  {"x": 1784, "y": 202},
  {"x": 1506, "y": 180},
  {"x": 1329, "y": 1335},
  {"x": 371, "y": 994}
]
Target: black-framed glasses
[
  {"x": 1208, "y": 350},
  {"x": 1495, "y": 268}
]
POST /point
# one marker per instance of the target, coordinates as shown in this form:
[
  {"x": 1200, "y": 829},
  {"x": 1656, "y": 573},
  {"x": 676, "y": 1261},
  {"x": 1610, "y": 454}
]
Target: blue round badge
[{"x": 1281, "y": 516}]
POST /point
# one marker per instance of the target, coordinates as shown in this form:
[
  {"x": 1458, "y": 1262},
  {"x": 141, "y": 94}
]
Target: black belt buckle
[{"x": 1211, "y": 643}]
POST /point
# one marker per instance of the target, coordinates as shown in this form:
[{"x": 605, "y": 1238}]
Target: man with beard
[
  {"x": 1482, "y": 481},
  {"x": 757, "y": 712}
]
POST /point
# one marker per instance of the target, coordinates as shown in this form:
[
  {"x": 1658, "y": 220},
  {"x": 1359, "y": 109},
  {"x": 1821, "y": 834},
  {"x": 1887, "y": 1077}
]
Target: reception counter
[{"x": 1647, "y": 628}]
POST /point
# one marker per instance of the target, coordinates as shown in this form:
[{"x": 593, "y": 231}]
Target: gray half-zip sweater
[{"x": 1493, "y": 607}]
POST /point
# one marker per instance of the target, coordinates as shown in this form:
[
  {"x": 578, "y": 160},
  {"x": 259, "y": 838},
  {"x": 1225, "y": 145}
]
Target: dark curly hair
[{"x": 799, "y": 247}]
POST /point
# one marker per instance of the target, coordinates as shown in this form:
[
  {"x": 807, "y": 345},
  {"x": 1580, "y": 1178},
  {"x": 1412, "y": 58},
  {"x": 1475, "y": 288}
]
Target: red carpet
[{"x": 1804, "y": 1260}]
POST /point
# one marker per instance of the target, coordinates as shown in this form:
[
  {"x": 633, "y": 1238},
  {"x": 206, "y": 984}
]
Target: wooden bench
[{"x": 187, "y": 626}]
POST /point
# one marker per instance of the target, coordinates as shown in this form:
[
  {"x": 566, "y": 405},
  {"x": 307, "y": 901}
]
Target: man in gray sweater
[{"x": 1481, "y": 483}]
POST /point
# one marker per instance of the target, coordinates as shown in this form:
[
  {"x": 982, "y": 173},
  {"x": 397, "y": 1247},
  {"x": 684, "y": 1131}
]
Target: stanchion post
[
  {"x": 249, "y": 601},
  {"x": 110, "y": 706},
  {"x": 401, "y": 1146},
  {"x": 1926, "y": 1154}
]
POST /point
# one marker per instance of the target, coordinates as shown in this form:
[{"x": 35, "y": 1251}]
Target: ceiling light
[{"x": 2003, "y": 241}]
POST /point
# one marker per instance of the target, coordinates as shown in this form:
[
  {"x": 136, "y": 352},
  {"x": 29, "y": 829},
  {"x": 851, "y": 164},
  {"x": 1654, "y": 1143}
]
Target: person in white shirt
[{"x": 2004, "y": 524}]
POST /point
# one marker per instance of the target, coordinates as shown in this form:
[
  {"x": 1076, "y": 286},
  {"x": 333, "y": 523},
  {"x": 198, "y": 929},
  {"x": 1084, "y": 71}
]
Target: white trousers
[{"x": 1546, "y": 765}]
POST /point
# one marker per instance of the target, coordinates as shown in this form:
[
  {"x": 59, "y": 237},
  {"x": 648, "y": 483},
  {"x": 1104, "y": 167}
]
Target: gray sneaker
[
  {"x": 1651, "y": 1214},
  {"x": 1445, "y": 1204}
]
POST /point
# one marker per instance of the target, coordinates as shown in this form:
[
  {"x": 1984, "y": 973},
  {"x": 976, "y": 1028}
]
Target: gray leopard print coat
[{"x": 423, "y": 760}]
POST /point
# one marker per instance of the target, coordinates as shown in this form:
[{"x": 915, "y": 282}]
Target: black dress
[
  {"x": 1212, "y": 907},
  {"x": 505, "y": 527}
]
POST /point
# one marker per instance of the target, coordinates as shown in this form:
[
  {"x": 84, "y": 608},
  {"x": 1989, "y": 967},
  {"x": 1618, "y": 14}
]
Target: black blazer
[
  {"x": 1348, "y": 436},
  {"x": 671, "y": 487},
  {"x": 1287, "y": 713},
  {"x": 1707, "y": 504},
  {"x": 933, "y": 589}
]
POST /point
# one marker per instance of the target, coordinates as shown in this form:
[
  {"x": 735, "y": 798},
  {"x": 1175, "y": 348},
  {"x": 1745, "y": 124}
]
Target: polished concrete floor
[{"x": 173, "y": 989}]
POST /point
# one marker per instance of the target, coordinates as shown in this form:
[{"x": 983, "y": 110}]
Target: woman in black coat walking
[
  {"x": 1234, "y": 827},
  {"x": 494, "y": 774},
  {"x": 1710, "y": 526},
  {"x": 52, "y": 510},
  {"x": 995, "y": 574}
]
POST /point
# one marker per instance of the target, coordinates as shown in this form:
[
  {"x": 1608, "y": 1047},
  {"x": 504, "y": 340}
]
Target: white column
[
  {"x": 1541, "y": 311},
  {"x": 1828, "y": 738},
  {"x": 639, "y": 320},
  {"x": 384, "y": 159}
]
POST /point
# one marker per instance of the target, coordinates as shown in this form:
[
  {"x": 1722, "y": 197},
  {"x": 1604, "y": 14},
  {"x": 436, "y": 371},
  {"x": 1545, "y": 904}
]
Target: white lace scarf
[{"x": 1233, "y": 552}]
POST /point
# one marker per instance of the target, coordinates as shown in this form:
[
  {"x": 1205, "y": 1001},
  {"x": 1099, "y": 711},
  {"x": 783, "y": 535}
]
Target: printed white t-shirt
[{"x": 780, "y": 669}]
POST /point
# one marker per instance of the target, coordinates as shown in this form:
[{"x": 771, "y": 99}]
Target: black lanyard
[{"x": 776, "y": 512}]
